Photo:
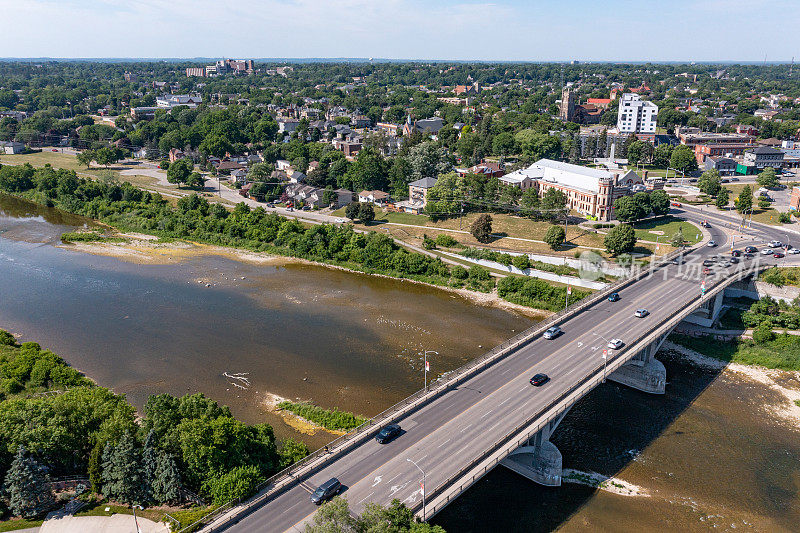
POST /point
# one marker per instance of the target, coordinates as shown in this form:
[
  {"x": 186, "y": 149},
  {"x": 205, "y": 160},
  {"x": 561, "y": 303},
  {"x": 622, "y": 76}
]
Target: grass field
[
  {"x": 13, "y": 525},
  {"x": 666, "y": 228}
]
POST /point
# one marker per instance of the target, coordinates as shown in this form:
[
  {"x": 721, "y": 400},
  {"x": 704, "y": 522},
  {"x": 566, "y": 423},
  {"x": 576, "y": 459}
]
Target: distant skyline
[{"x": 504, "y": 30}]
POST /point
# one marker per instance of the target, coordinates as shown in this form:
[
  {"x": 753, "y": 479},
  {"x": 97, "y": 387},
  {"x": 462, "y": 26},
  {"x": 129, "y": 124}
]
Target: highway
[{"x": 461, "y": 424}]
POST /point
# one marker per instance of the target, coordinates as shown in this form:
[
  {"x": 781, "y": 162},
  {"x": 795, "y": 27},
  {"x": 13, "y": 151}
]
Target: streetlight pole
[
  {"x": 423, "y": 486},
  {"x": 135, "y": 521},
  {"x": 425, "y": 356},
  {"x": 606, "y": 354}
]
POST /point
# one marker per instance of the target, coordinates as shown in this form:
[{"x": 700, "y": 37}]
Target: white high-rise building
[{"x": 636, "y": 115}]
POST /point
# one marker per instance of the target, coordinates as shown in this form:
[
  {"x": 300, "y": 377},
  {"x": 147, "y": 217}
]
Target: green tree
[
  {"x": 710, "y": 182},
  {"x": 27, "y": 486},
  {"x": 763, "y": 334},
  {"x": 333, "y": 517},
  {"x": 166, "y": 480},
  {"x": 553, "y": 200},
  {"x": 555, "y": 236},
  {"x": 745, "y": 199},
  {"x": 723, "y": 198},
  {"x": 86, "y": 157},
  {"x": 683, "y": 159},
  {"x": 662, "y": 155},
  {"x": 481, "y": 228},
  {"x": 237, "y": 483},
  {"x": 352, "y": 210},
  {"x": 366, "y": 212},
  {"x": 123, "y": 477},
  {"x": 659, "y": 202},
  {"x": 179, "y": 171},
  {"x": 291, "y": 451},
  {"x": 522, "y": 262},
  {"x": 620, "y": 240},
  {"x": 767, "y": 178},
  {"x": 678, "y": 239},
  {"x": 195, "y": 181},
  {"x": 629, "y": 209}
]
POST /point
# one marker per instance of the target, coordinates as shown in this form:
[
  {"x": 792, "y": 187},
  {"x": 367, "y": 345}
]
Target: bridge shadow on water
[{"x": 604, "y": 432}]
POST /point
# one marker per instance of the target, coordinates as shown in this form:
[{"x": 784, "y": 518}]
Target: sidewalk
[{"x": 117, "y": 523}]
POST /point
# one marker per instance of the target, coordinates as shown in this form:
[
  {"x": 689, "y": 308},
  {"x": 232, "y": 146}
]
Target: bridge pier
[
  {"x": 643, "y": 371},
  {"x": 708, "y": 312},
  {"x": 539, "y": 460}
]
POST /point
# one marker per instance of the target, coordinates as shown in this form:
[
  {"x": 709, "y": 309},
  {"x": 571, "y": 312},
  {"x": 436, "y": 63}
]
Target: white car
[
  {"x": 794, "y": 251},
  {"x": 711, "y": 244},
  {"x": 767, "y": 251},
  {"x": 641, "y": 313},
  {"x": 615, "y": 344},
  {"x": 775, "y": 244}
]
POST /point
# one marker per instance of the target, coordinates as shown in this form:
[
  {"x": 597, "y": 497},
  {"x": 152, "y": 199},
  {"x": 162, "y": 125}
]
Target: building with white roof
[
  {"x": 589, "y": 191},
  {"x": 636, "y": 115}
]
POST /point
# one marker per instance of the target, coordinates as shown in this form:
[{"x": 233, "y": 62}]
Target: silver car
[{"x": 552, "y": 332}]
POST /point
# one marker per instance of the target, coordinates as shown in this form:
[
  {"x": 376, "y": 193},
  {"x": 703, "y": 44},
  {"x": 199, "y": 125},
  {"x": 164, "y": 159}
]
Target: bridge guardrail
[
  {"x": 512, "y": 441},
  {"x": 320, "y": 458}
]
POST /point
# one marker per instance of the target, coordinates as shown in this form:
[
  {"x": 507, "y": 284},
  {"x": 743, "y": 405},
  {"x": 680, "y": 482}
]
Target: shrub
[
  {"x": 522, "y": 262},
  {"x": 785, "y": 218},
  {"x": 427, "y": 242},
  {"x": 478, "y": 273},
  {"x": 773, "y": 276},
  {"x": 446, "y": 241},
  {"x": 555, "y": 236},
  {"x": 238, "y": 483},
  {"x": 763, "y": 333},
  {"x": 7, "y": 339},
  {"x": 459, "y": 272}
]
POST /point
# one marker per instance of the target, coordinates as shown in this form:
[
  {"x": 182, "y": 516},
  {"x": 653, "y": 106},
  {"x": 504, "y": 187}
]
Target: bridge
[{"x": 487, "y": 414}]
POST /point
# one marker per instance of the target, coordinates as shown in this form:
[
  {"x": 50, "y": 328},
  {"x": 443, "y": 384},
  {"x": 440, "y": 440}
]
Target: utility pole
[
  {"x": 566, "y": 298},
  {"x": 427, "y": 366},
  {"x": 423, "y": 486}
]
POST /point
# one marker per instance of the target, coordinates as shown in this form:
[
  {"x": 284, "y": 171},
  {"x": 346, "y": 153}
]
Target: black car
[
  {"x": 387, "y": 433},
  {"x": 539, "y": 379},
  {"x": 734, "y": 260},
  {"x": 750, "y": 249},
  {"x": 613, "y": 297},
  {"x": 735, "y": 253},
  {"x": 748, "y": 255},
  {"x": 326, "y": 491}
]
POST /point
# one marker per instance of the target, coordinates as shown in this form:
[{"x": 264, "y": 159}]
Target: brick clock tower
[{"x": 605, "y": 198}]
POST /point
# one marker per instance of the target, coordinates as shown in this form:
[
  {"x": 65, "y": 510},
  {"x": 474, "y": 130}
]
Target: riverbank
[
  {"x": 140, "y": 248},
  {"x": 784, "y": 382}
]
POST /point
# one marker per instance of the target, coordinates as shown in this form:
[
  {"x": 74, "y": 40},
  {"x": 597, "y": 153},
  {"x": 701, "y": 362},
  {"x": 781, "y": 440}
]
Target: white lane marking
[
  {"x": 487, "y": 413},
  {"x": 580, "y": 344},
  {"x": 377, "y": 480},
  {"x": 522, "y": 389},
  {"x": 367, "y": 496},
  {"x": 504, "y": 401},
  {"x": 442, "y": 444},
  {"x": 395, "y": 477},
  {"x": 466, "y": 428},
  {"x": 413, "y": 496},
  {"x": 395, "y": 488}
]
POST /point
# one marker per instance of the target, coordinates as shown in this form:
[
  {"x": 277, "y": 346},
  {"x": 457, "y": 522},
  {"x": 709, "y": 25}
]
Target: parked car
[
  {"x": 724, "y": 264},
  {"x": 705, "y": 224},
  {"x": 539, "y": 379},
  {"x": 552, "y": 332},
  {"x": 778, "y": 255},
  {"x": 641, "y": 313},
  {"x": 748, "y": 255},
  {"x": 613, "y": 297},
  {"x": 750, "y": 249},
  {"x": 326, "y": 491},
  {"x": 388, "y": 433},
  {"x": 706, "y": 271},
  {"x": 615, "y": 344},
  {"x": 676, "y": 204},
  {"x": 711, "y": 244}
]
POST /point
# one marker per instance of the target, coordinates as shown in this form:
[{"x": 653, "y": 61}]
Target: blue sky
[{"x": 536, "y": 30}]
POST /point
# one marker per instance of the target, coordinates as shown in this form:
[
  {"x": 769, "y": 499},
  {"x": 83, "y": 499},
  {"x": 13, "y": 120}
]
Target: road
[{"x": 460, "y": 425}]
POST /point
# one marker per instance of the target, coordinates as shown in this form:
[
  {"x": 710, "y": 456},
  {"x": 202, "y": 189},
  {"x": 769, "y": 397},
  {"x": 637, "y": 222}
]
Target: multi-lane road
[{"x": 461, "y": 424}]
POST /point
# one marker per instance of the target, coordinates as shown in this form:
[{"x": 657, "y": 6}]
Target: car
[
  {"x": 613, "y": 297},
  {"x": 326, "y": 491},
  {"x": 539, "y": 379},
  {"x": 735, "y": 253},
  {"x": 794, "y": 251},
  {"x": 748, "y": 255},
  {"x": 750, "y": 249},
  {"x": 711, "y": 244},
  {"x": 615, "y": 344},
  {"x": 705, "y": 224},
  {"x": 708, "y": 262},
  {"x": 767, "y": 251},
  {"x": 734, "y": 179},
  {"x": 775, "y": 244},
  {"x": 734, "y": 260},
  {"x": 724, "y": 264},
  {"x": 676, "y": 204},
  {"x": 55, "y": 150},
  {"x": 388, "y": 433},
  {"x": 778, "y": 255},
  {"x": 552, "y": 332},
  {"x": 641, "y": 313},
  {"x": 706, "y": 271}
]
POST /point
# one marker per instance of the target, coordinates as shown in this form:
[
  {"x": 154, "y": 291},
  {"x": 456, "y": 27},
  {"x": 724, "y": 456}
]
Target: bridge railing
[
  {"x": 465, "y": 477},
  {"x": 285, "y": 479}
]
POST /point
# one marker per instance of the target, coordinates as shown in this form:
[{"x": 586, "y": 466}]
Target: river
[{"x": 710, "y": 453}]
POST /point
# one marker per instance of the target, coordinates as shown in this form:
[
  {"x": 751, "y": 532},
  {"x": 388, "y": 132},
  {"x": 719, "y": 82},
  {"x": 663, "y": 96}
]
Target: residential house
[
  {"x": 296, "y": 176},
  {"x": 12, "y": 147},
  {"x": 724, "y": 165},
  {"x": 360, "y": 121},
  {"x": 239, "y": 176},
  {"x": 417, "y": 196},
  {"x": 351, "y": 148},
  {"x": 288, "y": 125},
  {"x": 284, "y": 165},
  {"x": 176, "y": 155},
  {"x": 226, "y": 167},
  {"x": 373, "y": 197},
  {"x": 168, "y": 101}
]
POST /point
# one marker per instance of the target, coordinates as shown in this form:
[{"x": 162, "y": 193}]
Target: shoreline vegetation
[
  {"x": 55, "y": 422},
  {"x": 332, "y": 420},
  {"x": 130, "y": 209}
]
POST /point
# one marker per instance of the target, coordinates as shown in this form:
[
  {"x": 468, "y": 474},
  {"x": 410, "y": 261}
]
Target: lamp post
[
  {"x": 423, "y": 486},
  {"x": 135, "y": 521},
  {"x": 606, "y": 354},
  {"x": 427, "y": 367}
]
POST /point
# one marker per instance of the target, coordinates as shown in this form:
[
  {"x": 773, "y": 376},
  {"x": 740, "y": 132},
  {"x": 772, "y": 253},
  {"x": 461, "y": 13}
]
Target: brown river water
[{"x": 709, "y": 453}]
